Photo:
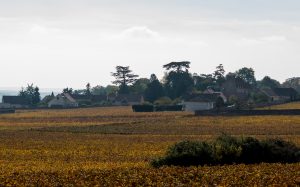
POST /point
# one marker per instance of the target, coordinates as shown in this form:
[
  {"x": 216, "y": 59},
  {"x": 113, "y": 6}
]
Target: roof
[
  {"x": 69, "y": 97},
  {"x": 269, "y": 92},
  {"x": 15, "y": 100},
  {"x": 285, "y": 92},
  {"x": 129, "y": 97},
  {"x": 203, "y": 97}
]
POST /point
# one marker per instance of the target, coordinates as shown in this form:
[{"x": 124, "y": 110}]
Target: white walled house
[
  {"x": 63, "y": 101},
  {"x": 192, "y": 106},
  {"x": 205, "y": 101}
]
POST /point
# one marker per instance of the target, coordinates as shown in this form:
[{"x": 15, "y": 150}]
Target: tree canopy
[
  {"x": 268, "y": 82},
  {"x": 154, "y": 89},
  {"x": 178, "y": 67},
  {"x": 247, "y": 74},
  {"x": 293, "y": 82},
  {"x": 31, "y": 94},
  {"x": 178, "y": 81},
  {"x": 124, "y": 77}
]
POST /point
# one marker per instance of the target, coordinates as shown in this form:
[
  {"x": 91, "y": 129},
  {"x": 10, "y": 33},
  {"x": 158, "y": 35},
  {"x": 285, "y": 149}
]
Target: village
[{"x": 217, "y": 91}]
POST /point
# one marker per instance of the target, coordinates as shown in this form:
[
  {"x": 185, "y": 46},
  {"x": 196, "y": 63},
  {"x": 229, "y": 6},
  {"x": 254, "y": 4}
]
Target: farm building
[
  {"x": 15, "y": 101},
  {"x": 237, "y": 87},
  {"x": 205, "y": 101},
  {"x": 281, "y": 94},
  {"x": 89, "y": 99},
  {"x": 64, "y": 100}
]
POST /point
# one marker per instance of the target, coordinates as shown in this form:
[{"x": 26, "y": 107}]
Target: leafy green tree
[
  {"x": 31, "y": 94},
  {"x": 140, "y": 86},
  {"x": 154, "y": 89},
  {"x": 68, "y": 90},
  {"x": 178, "y": 80},
  {"x": 203, "y": 81},
  {"x": 98, "y": 90},
  {"x": 292, "y": 83},
  {"x": 247, "y": 74},
  {"x": 268, "y": 82},
  {"x": 101, "y": 90},
  {"x": 124, "y": 77},
  {"x": 36, "y": 98},
  {"x": 259, "y": 97},
  {"x": 111, "y": 89}
]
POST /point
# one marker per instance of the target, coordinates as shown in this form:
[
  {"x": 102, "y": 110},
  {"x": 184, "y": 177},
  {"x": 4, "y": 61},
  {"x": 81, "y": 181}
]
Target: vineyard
[{"x": 114, "y": 146}]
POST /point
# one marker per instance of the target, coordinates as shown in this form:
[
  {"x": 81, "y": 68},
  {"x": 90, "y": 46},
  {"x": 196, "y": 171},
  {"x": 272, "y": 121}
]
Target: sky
[{"x": 68, "y": 43}]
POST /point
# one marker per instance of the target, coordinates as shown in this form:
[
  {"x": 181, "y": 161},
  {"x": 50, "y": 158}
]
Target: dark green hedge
[
  {"x": 143, "y": 108},
  {"x": 152, "y": 108},
  {"x": 229, "y": 150},
  {"x": 161, "y": 108}
]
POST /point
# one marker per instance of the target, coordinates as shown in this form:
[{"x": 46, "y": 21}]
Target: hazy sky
[{"x": 60, "y": 43}]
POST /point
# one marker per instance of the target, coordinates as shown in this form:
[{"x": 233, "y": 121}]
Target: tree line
[{"x": 176, "y": 83}]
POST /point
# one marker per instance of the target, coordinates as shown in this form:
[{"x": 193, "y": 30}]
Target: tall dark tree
[
  {"x": 178, "y": 80},
  {"x": 154, "y": 89},
  {"x": 219, "y": 75},
  {"x": 247, "y": 74},
  {"x": 87, "y": 90},
  {"x": 36, "y": 96},
  {"x": 31, "y": 94},
  {"x": 140, "y": 86},
  {"x": 124, "y": 77}
]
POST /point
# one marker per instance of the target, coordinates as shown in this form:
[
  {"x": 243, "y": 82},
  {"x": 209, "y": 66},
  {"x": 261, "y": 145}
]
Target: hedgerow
[{"x": 229, "y": 150}]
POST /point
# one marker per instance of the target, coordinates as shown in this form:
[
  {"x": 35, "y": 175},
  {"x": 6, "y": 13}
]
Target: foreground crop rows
[
  {"x": 113, "y": 147},
  {"x": 235, "y": 175}
]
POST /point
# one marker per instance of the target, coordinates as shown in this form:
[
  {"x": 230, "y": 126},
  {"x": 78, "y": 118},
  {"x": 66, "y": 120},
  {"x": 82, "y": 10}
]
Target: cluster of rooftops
[{"x": 199, "y": 101}]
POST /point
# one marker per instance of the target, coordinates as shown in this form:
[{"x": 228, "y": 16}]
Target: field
[{"x": 113, "y": 147}]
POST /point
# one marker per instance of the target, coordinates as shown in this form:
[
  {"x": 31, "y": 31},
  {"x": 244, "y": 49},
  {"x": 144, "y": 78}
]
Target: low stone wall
[{"x": 248, "y": 112}]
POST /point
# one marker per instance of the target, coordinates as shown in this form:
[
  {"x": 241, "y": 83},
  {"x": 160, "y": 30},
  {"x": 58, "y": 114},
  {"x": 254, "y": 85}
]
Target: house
[
  {"x": 204, "y": 101},
  {"x": 15, "y": 101},
  {"x": 281, "y": 94},
  {"x": 64, "y": 100},
  {"x": 89, "y": 99},
  {"x": 125, "y": 99},
  {"x": 211, "y": 91},
  {"x": 236, "y": 87}
]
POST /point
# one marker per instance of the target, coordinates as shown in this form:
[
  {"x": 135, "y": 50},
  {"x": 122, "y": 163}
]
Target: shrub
[
  {"x": 276, "y": 150},
  {"x": 163, "y": 101},
  {"x": 169, "y": 108},
  {"x": 228, "y": 150},
  {"x": 187, "y": 153},
  {"x": 252, "y": 151}
]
